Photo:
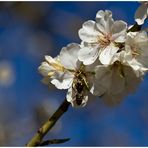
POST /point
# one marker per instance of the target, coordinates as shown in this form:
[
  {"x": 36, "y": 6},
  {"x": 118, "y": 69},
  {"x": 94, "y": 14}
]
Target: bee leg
[{"x": 86, "y": 84}]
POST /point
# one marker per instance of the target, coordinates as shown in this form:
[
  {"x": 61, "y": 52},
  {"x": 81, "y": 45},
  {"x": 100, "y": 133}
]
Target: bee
[{"x": 80, "y": 86}]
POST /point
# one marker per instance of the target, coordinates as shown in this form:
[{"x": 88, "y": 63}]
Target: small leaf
[{"x": 54, "y": 141}]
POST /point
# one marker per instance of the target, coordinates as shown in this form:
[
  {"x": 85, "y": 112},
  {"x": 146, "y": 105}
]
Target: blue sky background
[{"x": 28, "y": 31}]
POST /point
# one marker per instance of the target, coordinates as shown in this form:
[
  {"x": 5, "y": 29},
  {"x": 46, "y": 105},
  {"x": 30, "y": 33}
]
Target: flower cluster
[{"x": 110, "y": 61}]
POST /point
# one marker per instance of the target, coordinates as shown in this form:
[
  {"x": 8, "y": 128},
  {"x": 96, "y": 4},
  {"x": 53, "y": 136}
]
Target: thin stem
[
  {"x": 135, "y": 28},
  {"x": 37, "y": 139}
]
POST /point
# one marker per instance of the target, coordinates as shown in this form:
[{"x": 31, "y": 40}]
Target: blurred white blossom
[
  {"x": 116, "y": 80},
  {"x": 7, "y": 73},
  {"x": 136, "y": 53},
  {"x": 141, "y": 13}
]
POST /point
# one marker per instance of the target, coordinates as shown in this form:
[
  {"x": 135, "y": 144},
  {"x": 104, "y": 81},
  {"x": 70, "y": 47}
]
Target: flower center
[
  {"x": 56, "y": 65},
  {"x": 104, "y": 40}
]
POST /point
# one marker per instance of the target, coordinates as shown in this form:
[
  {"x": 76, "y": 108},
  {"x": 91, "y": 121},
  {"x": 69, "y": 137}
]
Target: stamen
[
  {"x": 56, "y": 65},
  {"x": 51, "y": 73},
  {"x": 104, "y": 41},
  {"x": 135, "y": 51}
]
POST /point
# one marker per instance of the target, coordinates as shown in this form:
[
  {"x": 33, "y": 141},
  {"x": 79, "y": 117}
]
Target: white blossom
[
  {"x": 52, "y": 68},
  {"x": 67, "y": 72},
  {"x": 117, "y": 81},
  {"x": 141, "y": 13},
  {"x": 136, "y": 52},
  {"x": 101, "y": 38},
  {"x": 127, "y": 69},
  {"x": 109, "y": 62}
]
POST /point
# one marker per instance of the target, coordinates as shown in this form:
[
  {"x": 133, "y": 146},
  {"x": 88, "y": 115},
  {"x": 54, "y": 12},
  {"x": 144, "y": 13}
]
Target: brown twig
[
  {"x": 135, "y": 28},
  {"x": 37, "y": 139}
]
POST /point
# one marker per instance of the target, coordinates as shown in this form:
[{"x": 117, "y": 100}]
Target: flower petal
[
  {"x": 88, "y": 55},
  {"x": 62, "y": 80},
  {"x": 141, "y": 14},
  {"x": 45, "y": 69},
  {"x": 136, "y": 49},
  {"x": 140, "y": 37},
  {"x": 132, "y": 81},
  {"x": 107, "y": 54},
  {"x": 112, "y": 83},
  {"x": 104, "y": 21},
  {"x": 118, "y": 30},
  {"x": 49, "y": 59},
  {"x": 121, "y": 87},
  {"x": 88, "y": 32},
  {"x": 103, "y": 77},
  {"x": 69, "y": 56},
  {"x": 69, "y": 95},
  {"x": 99, "y": 83}
]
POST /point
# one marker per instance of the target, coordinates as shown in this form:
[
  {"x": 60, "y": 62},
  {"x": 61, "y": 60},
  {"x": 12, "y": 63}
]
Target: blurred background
[{"x": 30, "y": 30}]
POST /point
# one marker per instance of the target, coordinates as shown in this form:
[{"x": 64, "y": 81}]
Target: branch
[
  {"x": 37, "y": 139},
  {"x": 135, "y": 28}
]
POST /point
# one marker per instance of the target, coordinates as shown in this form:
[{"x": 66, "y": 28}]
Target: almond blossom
[
  {"x": 52, "y": 68},
  {"x": 116, "y": 80},
  {"x": 67, "y": 72},
  {"x": 109, "y": 62},
  {"x": 136, "y": 53},
  {"x": 141, "y": 13},
  {"x": 101, "y": 38}
]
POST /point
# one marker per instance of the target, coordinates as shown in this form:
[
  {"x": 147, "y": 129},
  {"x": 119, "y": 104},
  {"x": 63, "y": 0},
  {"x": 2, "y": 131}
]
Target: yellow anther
[
  {"x": 50, "y": 73},
  {"x": 103, "y": 41},
  {"x": 56, "y": 65}
]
